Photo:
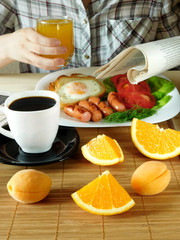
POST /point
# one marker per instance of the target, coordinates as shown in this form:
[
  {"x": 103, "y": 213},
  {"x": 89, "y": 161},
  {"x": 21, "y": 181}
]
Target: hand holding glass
[{"x": 60, "y": 28}]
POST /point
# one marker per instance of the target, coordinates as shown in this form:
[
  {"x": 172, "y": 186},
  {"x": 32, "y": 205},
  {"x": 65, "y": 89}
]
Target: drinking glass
[{"x": 60, "y": 28}]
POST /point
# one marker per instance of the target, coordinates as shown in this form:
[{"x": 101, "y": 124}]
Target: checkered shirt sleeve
[{"x": 103, "y": 30}]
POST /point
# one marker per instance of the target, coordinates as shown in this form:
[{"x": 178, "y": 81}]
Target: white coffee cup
[{"x": 33, "y": 130}]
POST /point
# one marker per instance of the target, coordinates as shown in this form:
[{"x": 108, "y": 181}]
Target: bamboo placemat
[{"x": 58, "y": 217}]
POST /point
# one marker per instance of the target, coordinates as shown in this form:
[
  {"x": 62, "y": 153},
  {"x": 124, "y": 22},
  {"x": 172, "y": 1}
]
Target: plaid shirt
[{"x": 101, "y": 32}]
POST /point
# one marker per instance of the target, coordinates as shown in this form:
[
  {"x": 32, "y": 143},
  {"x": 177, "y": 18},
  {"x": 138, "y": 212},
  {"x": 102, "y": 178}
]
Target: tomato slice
[
  {"x": 126, "y": 86},
  {"x": 118, "y": 79},
  {"x": 133, "y": 94},
  {"x": 143, "y": 99},
  {"x": 142, "y": 86}
]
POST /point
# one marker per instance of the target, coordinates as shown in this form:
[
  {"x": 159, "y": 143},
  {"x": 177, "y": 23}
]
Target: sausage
[
  {"x": 95, "y": 100},
  {"x": 91, "y": 107},
  {"x": 115, "y": 103},
  {"x": 102, "y": 106},
  {"x": 105, "y": 109},
  {"x": 69, "y": 110},
  {"x": 78, "y": 112}
]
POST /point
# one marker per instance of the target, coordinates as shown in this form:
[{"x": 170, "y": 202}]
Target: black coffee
[{"x": 32, "y": 104}]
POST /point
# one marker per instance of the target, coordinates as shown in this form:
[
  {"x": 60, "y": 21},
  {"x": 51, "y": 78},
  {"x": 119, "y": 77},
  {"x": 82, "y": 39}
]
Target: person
[{"x": 102, "y": 29}]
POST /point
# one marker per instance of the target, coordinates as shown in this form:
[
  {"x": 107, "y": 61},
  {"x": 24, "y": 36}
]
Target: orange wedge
[
  {"x": 103, "y": 196},
  {"x": 103, "y": 150},
  {"x": 153, "y": 141}
]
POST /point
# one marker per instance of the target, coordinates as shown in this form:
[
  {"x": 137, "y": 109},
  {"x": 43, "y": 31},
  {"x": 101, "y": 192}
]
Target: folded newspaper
[{"x": 144, "y": 60}]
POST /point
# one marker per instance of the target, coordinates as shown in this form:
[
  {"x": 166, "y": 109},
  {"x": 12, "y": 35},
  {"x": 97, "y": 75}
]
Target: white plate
[{"x": 170, "y": 110}]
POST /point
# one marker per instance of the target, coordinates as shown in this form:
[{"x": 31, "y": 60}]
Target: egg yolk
[{"x": 77, "y": 88}]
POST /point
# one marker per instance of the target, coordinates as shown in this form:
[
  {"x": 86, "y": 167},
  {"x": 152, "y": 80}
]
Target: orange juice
[{"x": 60, "y": 28}]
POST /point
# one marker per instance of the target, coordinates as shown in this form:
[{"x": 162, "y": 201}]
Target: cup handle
[{"x": 3, "y": 131}]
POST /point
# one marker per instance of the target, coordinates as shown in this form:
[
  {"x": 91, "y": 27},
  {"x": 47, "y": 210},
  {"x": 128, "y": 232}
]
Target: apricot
[
  {"x": 150, "y": 178},
  {"x": 29, "y": 186}
]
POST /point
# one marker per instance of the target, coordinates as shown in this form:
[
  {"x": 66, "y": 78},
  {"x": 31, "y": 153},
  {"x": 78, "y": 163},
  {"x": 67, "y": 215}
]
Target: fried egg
[
  {"x": 77, "y": 90},
  {"x": 75, "y": 87}
]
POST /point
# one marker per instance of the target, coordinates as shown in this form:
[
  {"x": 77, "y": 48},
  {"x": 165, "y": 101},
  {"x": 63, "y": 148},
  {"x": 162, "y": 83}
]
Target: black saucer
[{"x": 65, "y": 144}]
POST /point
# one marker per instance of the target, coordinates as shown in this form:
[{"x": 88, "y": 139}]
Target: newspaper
[{"x": 144, "y": 60}]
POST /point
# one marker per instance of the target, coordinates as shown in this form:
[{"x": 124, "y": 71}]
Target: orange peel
[
  {"x": 155, "y": 142},
  {"x": 103, "y": 150},
  {"x": 103, "y": 196}
]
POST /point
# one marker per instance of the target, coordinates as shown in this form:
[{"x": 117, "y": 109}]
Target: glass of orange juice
[{"x": 60, "y": 28}]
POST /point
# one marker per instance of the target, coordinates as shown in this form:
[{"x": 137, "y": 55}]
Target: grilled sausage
[
  {"x": 102, "y": 106},
  {"x": 95, "y": 100},
  {"x": 105, "y": 109},
  {"x": 91, "y": 107},
  {"x": 115, "y": 103},
  {"x": 78, "y": 112}
]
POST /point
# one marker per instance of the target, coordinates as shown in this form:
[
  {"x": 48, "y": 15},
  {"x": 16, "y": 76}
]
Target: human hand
[{"x": 26, "y": 45}]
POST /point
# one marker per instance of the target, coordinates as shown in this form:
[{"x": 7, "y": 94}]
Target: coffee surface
[{"x": 28, "y": 104}]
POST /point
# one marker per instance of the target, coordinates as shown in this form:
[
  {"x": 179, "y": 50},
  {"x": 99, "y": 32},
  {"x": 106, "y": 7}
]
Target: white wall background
[{"x": 10, "y": 68}]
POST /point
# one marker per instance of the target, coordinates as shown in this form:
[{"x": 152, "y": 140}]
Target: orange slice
[
  {"x": 103, "y": 150},
  {"x": 103, "y": 196},
  {"x": 153, "y": 141}
]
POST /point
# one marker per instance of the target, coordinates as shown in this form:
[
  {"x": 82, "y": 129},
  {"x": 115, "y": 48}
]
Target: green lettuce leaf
[
  {"x": 109, "y": 85},
  {"x": 160, "y": 103},
  {"x": 160, "y": 86}
]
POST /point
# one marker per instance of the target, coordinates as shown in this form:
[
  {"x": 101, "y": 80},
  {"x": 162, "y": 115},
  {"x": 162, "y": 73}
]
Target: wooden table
[{"x": 58, "y": 217}]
